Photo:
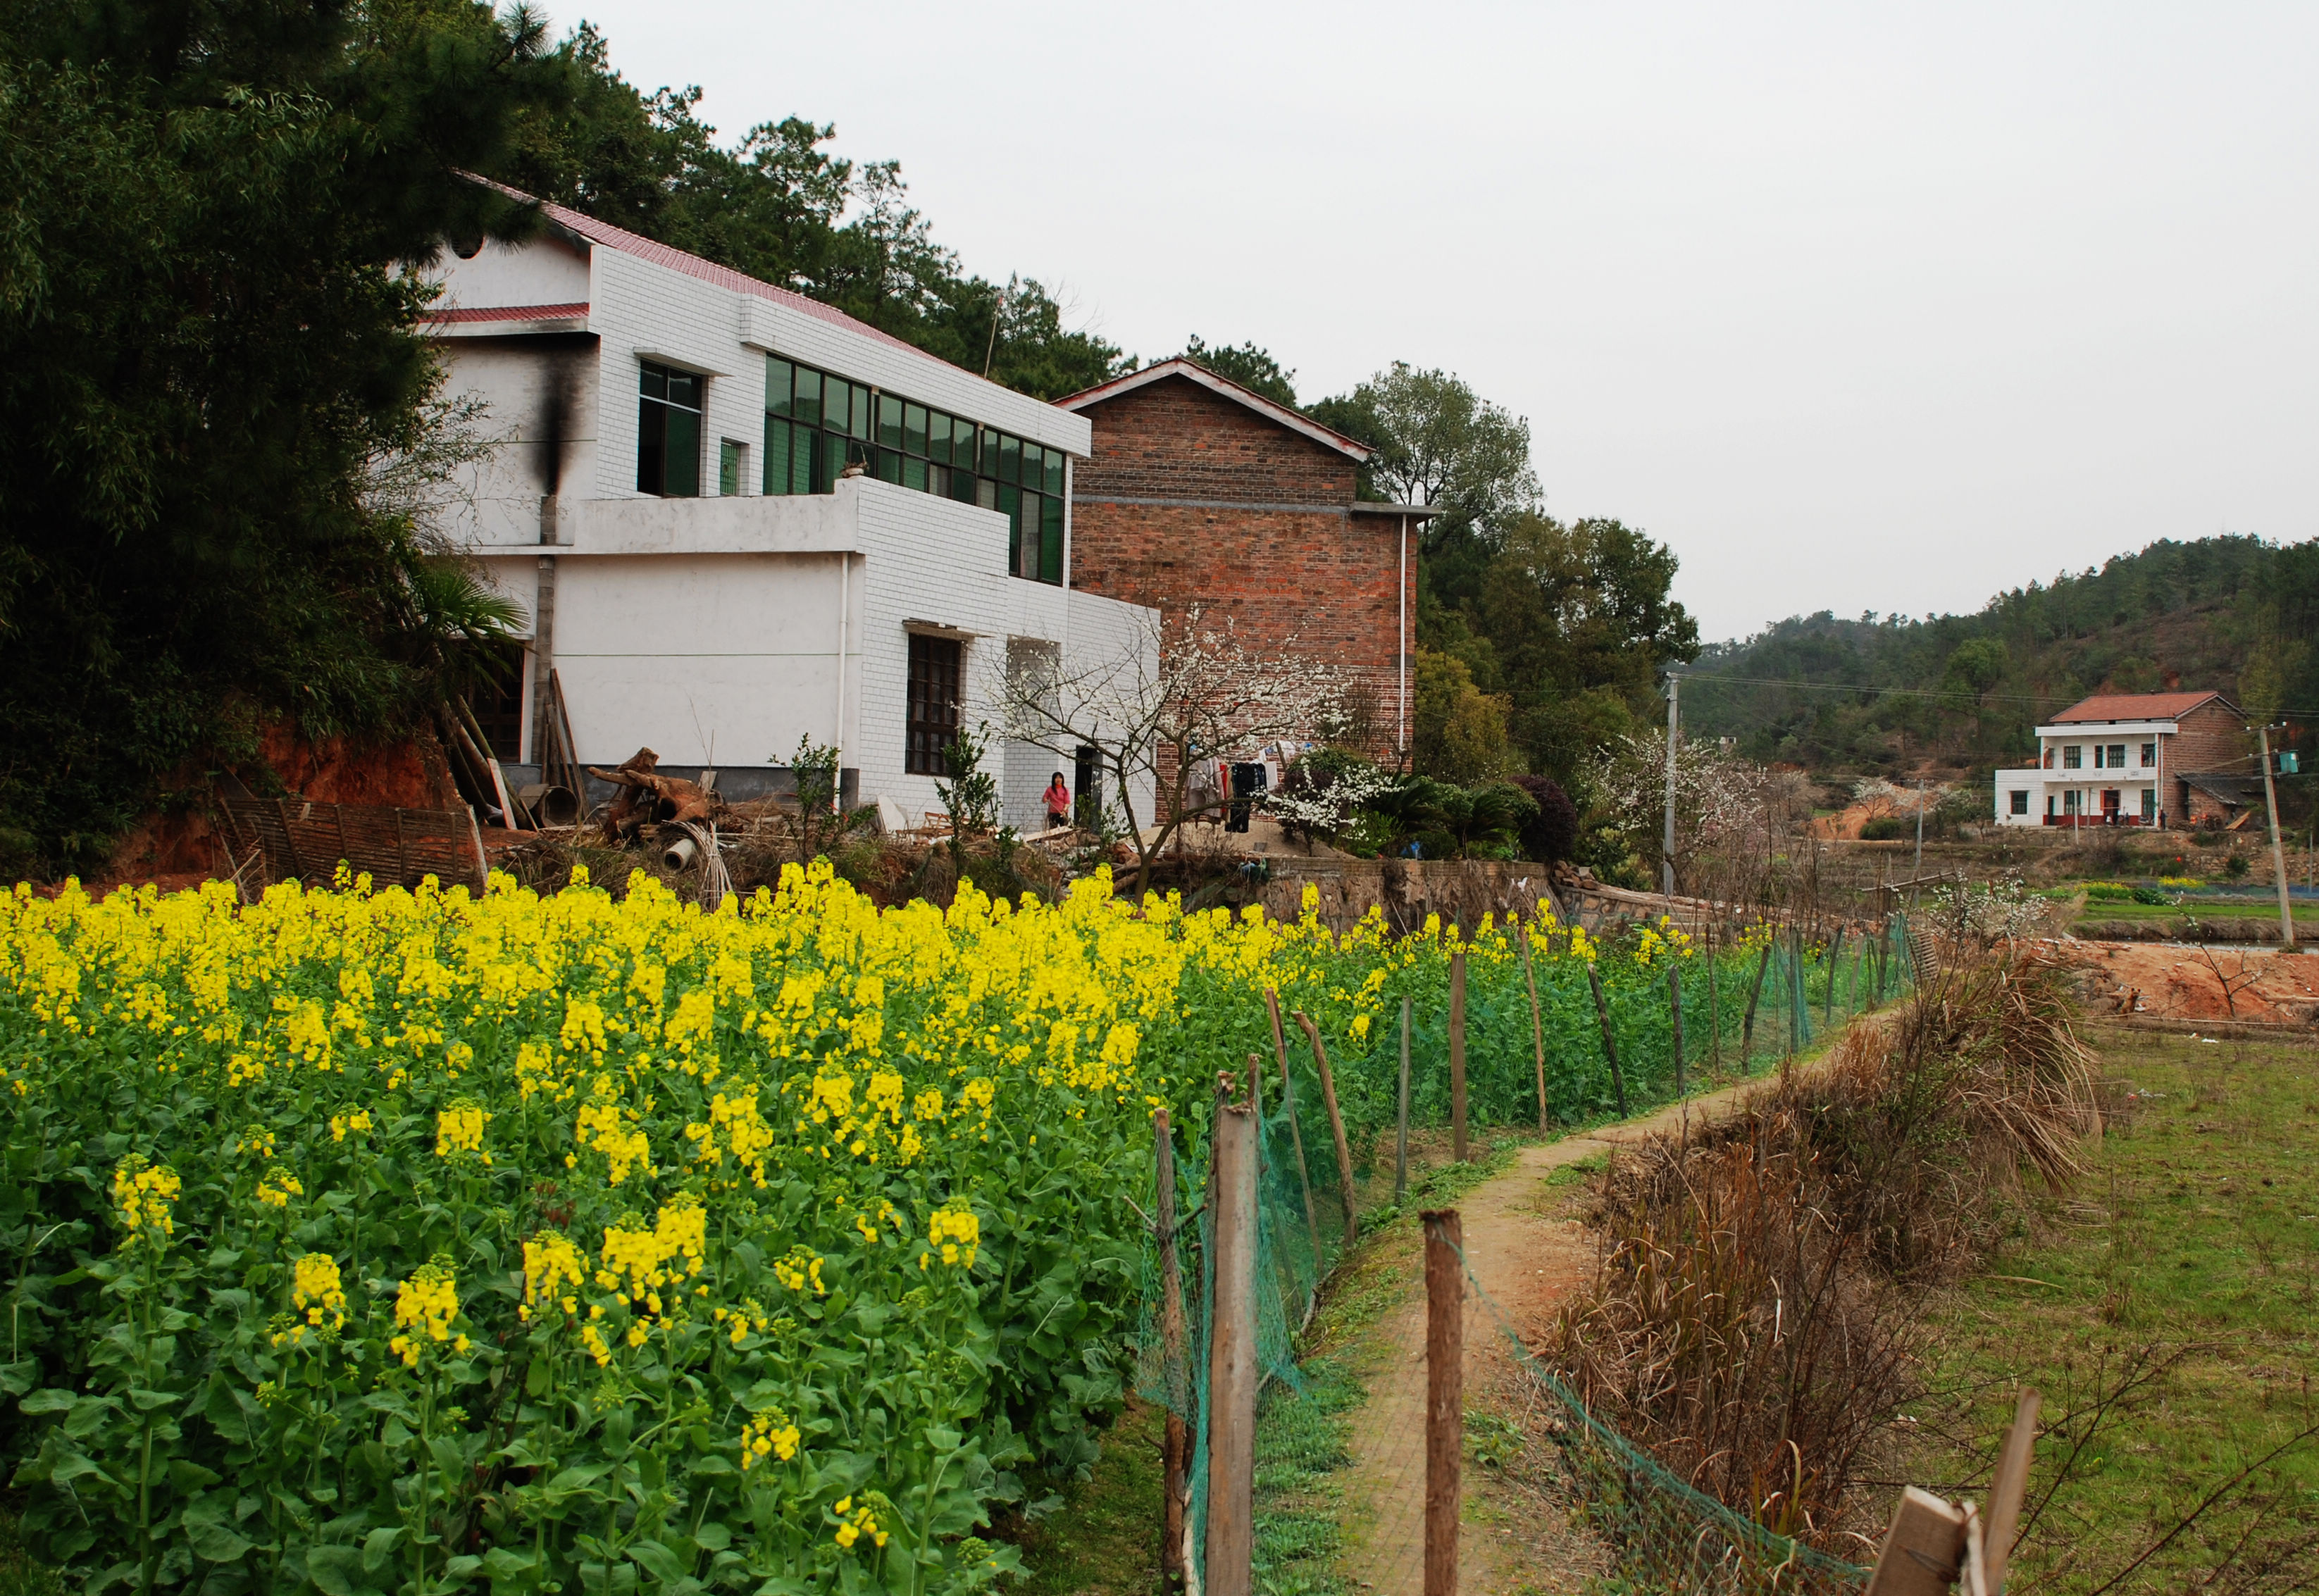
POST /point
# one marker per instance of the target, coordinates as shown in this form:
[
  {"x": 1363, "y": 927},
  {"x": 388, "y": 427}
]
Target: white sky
[{"x": 1858, "y": 307}]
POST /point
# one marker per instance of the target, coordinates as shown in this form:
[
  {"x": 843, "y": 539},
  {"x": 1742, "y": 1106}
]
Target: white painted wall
[{"x": 708, "y": 630}]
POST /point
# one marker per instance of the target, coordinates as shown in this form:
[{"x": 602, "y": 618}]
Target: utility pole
[
  {"x": 1666, "y": 842},
  {"x": 2277, "y": 851},
  {"x": 1917, "y": 874}
]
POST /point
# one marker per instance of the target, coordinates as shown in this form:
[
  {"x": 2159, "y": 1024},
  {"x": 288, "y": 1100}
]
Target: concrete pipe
[
  {"x": 679, "y": 854},
  {"x": 549, "y": 804}
]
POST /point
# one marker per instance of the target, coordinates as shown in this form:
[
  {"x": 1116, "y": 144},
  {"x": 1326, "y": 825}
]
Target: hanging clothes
[{"x": 1248, "y": 781}]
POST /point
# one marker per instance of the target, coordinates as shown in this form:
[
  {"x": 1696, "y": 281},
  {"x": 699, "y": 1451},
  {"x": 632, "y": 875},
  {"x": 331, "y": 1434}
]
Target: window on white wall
[
  {"x": 2019, "y": 799},
  {"x": 668, "y": 433},
  {"x": 2072, "y": 756}
]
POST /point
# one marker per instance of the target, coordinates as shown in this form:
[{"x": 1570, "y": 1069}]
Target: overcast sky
[{"x": 1858, "y": 307}]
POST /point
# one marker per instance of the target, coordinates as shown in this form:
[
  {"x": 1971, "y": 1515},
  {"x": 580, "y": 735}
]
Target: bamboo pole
[
  {"x": 1295, "y": 1132},
  {"x": 1401, "y": 1123},
  {"x": 1674, "y": 1014},
  {"x": 1228, "y": 1567},
  {"x": 1175, "y": 1450},
  {"x": 1458, "y": 1052},
  {"x": 1714, "y": 1018},
  {"x": 1536, "y": 1028},
  {"x": 1336, "y": 1127},
  {"x": 1834, "y": 948},
  {"x": 1755, "y": 996},
  {"x": 1445, "y": 1396},
  {"x": 1609, "y": 1045}
]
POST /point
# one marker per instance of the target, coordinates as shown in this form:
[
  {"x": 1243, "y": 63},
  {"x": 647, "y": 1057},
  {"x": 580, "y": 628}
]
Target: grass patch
[
  {"x": 2177, "y": 1283},
  {"x": 20, "y": 1575},
  {"x": 1105, "y": 1542}
]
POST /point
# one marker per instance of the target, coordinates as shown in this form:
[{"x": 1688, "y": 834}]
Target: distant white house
[
  {"x": 2132, "y": 759},
  {"x": 737, "y": 517}
]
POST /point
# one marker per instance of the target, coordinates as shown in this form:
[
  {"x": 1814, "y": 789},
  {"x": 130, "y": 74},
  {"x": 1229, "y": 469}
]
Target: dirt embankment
[{"x": 2182, "y": 983}]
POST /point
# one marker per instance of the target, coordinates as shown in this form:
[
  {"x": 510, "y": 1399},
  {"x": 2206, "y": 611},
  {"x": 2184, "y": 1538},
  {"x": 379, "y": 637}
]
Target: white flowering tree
[{"x": 1189, "y": 692}]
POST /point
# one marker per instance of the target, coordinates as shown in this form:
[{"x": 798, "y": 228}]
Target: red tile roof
[
  {"x": 2134, "y": 707},
  {"x": 571, "y": 312}
]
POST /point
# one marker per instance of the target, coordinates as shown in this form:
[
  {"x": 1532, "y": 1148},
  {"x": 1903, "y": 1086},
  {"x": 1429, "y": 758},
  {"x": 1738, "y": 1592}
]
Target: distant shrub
[
  {"x": 1888, "y": 828},
  {"x": 2235, "y": 867},
  {"x": 2151, "y": 895},
  {"x": 1552, "y": 836}
]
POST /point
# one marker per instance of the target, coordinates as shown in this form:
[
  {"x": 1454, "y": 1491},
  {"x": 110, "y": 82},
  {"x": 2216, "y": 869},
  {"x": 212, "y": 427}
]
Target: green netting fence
[{"x": 1669, "y": 1534}]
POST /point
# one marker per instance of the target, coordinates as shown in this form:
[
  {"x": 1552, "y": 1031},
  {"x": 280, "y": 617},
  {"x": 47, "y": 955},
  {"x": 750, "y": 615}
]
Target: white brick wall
[{"x": 707, "y": 629}]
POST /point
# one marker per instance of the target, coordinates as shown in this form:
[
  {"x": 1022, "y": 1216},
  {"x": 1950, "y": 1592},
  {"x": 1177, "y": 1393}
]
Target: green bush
[{"x": 1888, "y": 828}]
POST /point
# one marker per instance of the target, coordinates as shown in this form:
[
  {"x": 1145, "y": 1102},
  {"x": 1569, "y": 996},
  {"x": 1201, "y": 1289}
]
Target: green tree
[
  {"x": 209, "y": 349},
  {"x": 1975, "y": 666},
  {"x": 1251, "y": 367},
  {"x": 1582, "y": 620},
  {"x": 1458, "y": 732}
]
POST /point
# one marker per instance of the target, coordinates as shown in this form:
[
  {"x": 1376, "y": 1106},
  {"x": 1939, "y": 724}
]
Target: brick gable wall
[
  {"x": 2213, "y": 738},
  {"x": 1191, "y": 499}
]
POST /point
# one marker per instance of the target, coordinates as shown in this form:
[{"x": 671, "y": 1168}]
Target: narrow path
[{"x": 1527, "y": 1260}]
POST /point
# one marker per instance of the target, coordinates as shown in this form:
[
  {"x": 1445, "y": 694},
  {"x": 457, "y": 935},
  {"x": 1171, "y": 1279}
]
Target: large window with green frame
[{"x": 816, "y": 423}]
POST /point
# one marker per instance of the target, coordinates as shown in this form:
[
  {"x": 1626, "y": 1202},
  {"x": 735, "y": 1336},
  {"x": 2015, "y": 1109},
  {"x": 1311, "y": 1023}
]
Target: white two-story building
[
  {"x": 2124, "y": 760},
  {"x": 737, "y": 517}
]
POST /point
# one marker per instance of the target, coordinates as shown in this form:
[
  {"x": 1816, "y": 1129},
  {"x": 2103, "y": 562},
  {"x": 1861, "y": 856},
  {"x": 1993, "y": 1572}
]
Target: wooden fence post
[
  {"x": 1228, "y": 1567},
  {"x": 1610, "y": 1043},
  {"x": 1923, "y": 1550},
  {"x": 1336, "y": 1129},
  {"x": 1295, "y": 1132},
  {"x": 1458, "y": 1052},
  {"x": 1400, "y": 1124},
  {"x": 1175, "y": 1451},
  {"x": 1445, "y": 1396},
  {"x": 1536, "y": 1028},
  {"x": 1674, "y": 1014}
]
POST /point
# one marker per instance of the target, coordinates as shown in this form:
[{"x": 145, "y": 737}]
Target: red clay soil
[
  {"x": 2171, "y": 981},
  {"x": 183, "y": 847}
]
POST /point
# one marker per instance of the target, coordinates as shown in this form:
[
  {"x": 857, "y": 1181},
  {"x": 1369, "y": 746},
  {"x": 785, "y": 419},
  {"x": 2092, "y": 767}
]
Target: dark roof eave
[{"x": 1415, "y": 512}]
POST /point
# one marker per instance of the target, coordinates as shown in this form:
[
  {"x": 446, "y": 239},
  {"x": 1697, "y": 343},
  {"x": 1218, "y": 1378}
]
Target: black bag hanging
[{"x": 1248, "y": 780}]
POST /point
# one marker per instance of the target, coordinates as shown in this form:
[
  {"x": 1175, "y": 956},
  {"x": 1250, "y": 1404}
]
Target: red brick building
[{"x": 1198, "y": 493}]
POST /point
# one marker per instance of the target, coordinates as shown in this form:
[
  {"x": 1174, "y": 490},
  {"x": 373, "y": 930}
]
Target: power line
[{"x": 1924, "y": 692}]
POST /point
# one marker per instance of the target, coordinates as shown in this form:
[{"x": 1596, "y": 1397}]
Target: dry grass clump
[{"x": 1753, "y": 1324}]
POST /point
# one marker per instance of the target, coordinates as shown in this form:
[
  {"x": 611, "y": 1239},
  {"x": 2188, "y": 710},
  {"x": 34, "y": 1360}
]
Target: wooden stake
[
  {"x": 1674, "y": 1014},
  {"x": 1400, "y": 1124},
  {"x": 2005, "y": 1491},
  {"x": 1228, "y": 1565},
  {"x": 1175, "y": 1450},
  {"x": 1610, "y": 1046},
  {"x": 1295, "y": 1132},
  {"x": 1537, "y": 1029},
  {"x": 1458, "y": 1052},
  {"x": 1445, "y": 1396},
  {"x": 1335, "y": 1124}
]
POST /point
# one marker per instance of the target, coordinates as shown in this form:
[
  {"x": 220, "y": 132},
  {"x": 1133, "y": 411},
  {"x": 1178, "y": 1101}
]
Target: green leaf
[
  {"x": 52, "y": 1401},
  {"x": 16, "y": 1378},
  {"x": 657, "y": 1560},
  {"x": 337, "y": 1570},
  {"x": 214, "y": 1543},
  {"x": 378, "y": 1546}
]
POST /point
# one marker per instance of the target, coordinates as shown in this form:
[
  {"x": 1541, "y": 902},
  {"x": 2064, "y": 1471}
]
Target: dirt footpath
[{"x": 1528, "y": 1258}]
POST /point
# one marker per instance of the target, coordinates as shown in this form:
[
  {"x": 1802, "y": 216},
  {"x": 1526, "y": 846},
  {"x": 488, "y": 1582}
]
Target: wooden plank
[
  {"x": 1924, "y": 1549},
  {"x": 2006, "y": 1491}
]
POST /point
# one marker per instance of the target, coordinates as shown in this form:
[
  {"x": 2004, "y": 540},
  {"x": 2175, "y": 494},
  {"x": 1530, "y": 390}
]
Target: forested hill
[{"x": 2236, "y": 614}]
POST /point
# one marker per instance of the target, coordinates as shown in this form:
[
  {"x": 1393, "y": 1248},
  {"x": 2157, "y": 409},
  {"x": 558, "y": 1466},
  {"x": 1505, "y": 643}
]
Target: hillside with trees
[{"x": 1885, "y": 694}]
